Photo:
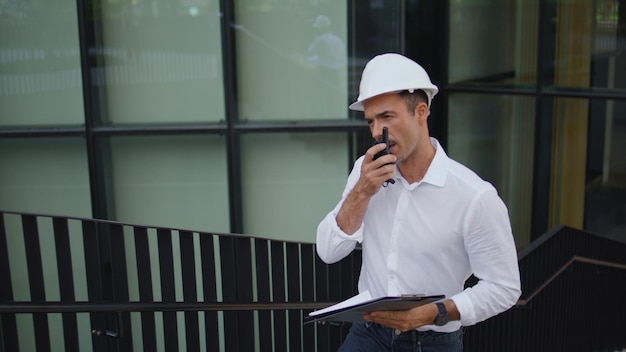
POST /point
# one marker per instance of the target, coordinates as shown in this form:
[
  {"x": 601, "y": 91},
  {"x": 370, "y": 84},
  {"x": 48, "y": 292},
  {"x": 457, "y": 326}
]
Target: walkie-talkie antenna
[{"x": 386, "y": 139}]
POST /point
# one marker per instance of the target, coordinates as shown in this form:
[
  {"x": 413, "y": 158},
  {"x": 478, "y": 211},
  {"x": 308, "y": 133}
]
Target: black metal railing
[
  {"x": 82, "y": 284},
  {"x": 573, "y": 289},
  {"x": 150, "y": 289}
]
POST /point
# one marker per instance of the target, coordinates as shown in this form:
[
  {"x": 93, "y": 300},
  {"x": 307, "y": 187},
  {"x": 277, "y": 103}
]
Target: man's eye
[{"x": 369, "y": 122}]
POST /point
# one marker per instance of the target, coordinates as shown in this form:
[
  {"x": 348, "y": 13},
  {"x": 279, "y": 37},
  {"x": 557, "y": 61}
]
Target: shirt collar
[{"x": 438, "y": 170}]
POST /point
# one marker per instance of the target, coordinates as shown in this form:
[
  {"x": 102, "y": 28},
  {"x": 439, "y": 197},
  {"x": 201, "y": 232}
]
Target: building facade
[{"x": 231, "y": 116}]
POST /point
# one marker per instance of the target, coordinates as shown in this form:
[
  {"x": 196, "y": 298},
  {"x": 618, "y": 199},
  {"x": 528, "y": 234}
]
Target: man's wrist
[{"x": 443, "y": 316}]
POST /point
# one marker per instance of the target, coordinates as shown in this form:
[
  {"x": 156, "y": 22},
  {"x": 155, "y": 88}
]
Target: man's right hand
[{"x": 373, "y": 174}]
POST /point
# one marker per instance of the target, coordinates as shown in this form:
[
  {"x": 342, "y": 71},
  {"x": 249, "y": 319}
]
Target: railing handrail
[
  {"x": 17, "y": 307},
  {"x": 574, "y": 259},
  {"x": 155, "y": 227},
  {"x": 537, "y": 243}
]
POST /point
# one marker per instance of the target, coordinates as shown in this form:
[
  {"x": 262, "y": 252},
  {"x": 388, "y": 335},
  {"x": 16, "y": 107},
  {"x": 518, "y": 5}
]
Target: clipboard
[{"x": 354, "y": 313}]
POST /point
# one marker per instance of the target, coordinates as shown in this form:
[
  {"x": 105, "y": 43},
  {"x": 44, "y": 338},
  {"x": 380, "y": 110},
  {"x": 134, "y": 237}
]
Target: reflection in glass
[
  {"x": 46, "y": 176},
  {"x": 570, "y": 119},
  {"x": 40, "y": 78},
  {"x": 291, "y": 60},
  {"x": 572, "y": 48},
  {"x": 584, "y": 50},
  {"x": 605, "y": 195},
  {"x": 493, "y": 42},
  {"x": 291, "y": 181},
  {"x": 171, "y": 181},
  {"x": 158, "y": 61},
  {"x": 588, "y": 171},
  {"x": 494, "y": 136}
]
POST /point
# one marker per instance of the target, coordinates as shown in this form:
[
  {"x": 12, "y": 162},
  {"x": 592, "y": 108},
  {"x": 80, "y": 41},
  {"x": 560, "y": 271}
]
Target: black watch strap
[{"x": 442, "y": 317}]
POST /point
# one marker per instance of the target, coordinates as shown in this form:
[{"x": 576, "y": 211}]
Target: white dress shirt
[{"x": 428, "y": 237}]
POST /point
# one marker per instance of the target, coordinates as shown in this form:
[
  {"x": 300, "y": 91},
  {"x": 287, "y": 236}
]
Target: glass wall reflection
[
  {"x": 157, "y": 61},
  {"x": 291, "y": 60},
  {"x": 605, "y": 190},
  {"x": 291, "y": 181},
  {"x": 40, "y": 76},
  {"x": 493, "y": 42},
  {"x": 494, "y": 135},
  {"x": 170, "y": 181},
  {"x": 45, "y": 175}
]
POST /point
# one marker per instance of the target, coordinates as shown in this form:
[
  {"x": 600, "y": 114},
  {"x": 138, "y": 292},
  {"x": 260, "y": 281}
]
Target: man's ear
[{"x": 422, "y": 112}]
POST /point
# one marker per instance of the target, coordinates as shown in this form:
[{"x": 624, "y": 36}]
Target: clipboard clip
[{"x": 409, "y": 295}]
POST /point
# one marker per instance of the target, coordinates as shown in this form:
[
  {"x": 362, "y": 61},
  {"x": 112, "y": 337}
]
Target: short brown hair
[{"x": 412, "y": 99}]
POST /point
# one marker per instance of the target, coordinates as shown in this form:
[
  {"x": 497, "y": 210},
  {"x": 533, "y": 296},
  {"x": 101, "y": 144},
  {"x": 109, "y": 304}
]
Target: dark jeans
[{"x": 375, "y": 337}]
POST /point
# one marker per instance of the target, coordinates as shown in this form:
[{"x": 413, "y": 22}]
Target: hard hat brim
[{"x": 358, "y": 105}]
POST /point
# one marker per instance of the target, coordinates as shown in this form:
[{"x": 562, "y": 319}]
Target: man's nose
[{"x": 377, "y": 130}]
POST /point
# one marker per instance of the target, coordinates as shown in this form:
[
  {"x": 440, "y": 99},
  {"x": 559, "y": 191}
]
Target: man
[{"x": 425, "y": 233}]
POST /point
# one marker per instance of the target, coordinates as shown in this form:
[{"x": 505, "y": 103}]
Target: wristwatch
[{"x": 442, "y": 318}]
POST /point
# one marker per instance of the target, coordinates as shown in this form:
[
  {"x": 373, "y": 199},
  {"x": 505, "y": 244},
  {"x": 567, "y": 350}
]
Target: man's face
[{"x": 405, "y": 129}]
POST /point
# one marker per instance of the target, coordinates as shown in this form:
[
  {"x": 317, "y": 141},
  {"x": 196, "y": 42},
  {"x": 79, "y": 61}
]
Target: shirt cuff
[
  {"x": 466, "y": 309},
  {"x": 356, "y": 236}
]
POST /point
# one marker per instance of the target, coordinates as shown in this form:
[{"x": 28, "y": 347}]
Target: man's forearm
[{"x": 352, "y": 211}]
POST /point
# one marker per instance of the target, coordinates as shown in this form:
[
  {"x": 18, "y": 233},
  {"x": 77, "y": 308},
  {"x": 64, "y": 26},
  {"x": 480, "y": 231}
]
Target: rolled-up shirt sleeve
[
  {"x": 493, "y": 258},
  {"x": 332, "y": 243}
]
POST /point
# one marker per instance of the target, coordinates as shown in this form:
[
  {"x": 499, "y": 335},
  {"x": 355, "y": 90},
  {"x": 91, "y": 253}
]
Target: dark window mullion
[
  {"x": 543, "y": 130},
  {"x": 96, "y": 177},
  {"x": 230, "y": 100}
]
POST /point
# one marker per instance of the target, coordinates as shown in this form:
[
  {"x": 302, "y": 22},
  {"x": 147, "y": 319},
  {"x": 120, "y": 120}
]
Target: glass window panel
[
  {"x": 480, "y": 54},
  {"x": 291, "y": 181},
  {"x": 494, "y": 136},
  {"x": 570, "y": 48},
  {"x": 584, "y": 48},
  {"x": 586, "y": 174},
  {"x": 40, "y": 79},
  {"x": 569, "y": 141},
  {"x": 291, "y": 60},
  {"x": 605, "y": 191},
  {"x": 46, "y": 175},
  {"x": 607, "y": 31},
  {"x": 159, "y": 61},
  {"x": 171, "y": 181}
]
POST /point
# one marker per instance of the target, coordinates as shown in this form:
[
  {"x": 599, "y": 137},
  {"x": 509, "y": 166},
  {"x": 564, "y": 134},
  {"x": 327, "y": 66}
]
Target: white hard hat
[
  {"x": 322, "y": 21},
  {"x": 388, "y": 73}
]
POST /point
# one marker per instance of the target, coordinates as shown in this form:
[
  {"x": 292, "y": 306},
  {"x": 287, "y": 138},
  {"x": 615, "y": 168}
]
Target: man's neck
[{"x": 414, "y": 169}]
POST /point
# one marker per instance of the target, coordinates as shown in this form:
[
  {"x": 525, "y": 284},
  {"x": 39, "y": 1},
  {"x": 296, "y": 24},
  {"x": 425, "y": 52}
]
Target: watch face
[{"x": 442, "y": 319}]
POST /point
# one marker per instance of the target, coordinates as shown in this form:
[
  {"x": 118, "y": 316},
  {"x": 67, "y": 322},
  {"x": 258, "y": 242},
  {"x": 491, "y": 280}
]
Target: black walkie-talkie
[{"x": 387, "y": 150}]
